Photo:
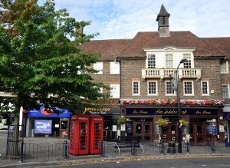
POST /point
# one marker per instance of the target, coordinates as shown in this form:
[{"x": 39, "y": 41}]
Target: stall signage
[
  {"x": 171, "y": 111},
  {"x": 93, "y": 110},
  {"x": 43, "y": 126}
]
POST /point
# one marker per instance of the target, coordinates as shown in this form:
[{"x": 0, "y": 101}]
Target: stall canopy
[{"x": 44, "y": 113}]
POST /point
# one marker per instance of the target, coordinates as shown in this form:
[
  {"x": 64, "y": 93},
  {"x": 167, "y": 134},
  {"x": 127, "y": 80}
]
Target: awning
[{"x": 35, "y": 113}]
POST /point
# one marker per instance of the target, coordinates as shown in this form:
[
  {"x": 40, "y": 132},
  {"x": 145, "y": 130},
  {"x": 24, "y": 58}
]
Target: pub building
[
  {"x": 203, "y": 120},
  {"x": 142, "y": 70}
]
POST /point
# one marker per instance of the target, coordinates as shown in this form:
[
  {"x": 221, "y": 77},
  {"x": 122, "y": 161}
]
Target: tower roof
[{"x": 163, "y": 12}]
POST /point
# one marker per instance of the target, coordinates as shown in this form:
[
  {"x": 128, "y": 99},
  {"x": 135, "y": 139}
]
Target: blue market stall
[{"x": 44, "y": 122}]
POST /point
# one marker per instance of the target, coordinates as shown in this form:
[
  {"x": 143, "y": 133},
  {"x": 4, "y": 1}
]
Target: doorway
[
  {"x": 143, "y": 129},
  {"x": 198, "y": 131}
]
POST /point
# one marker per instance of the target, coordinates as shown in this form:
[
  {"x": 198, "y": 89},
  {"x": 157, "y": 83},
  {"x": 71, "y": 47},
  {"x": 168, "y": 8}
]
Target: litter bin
[{"x": 171, "y": 147}]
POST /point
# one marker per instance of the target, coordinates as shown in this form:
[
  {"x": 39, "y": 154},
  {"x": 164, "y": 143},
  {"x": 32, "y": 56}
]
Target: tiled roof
[
  {"x": 182, "y": 39},
  {"x": 221, "y": 43},
  {"x": 108, "y": 49},
  {"x": 204, "y": 47}
]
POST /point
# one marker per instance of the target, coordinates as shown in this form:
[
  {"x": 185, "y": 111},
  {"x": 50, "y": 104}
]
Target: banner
[{"x": 43, "y": 126}]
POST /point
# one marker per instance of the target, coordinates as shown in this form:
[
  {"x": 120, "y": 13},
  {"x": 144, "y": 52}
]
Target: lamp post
[{"x": 179, "y": 137}]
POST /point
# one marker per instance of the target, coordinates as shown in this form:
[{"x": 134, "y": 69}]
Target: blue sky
[{"x": 122, "y": 19}]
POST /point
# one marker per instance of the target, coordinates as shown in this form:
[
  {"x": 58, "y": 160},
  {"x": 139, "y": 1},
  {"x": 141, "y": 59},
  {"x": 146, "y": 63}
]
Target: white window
[
  {"x": 169, "y": 88},
  {"x": 152, "y": 87},
  {"x": 114, "y": 67},
  {"x": 114, "y": 90},
  {"x": 151, "y": 61},
  {"x": 188, "y": 63},
  {"x": 225, "y": 91},
  {"x": 188, "y": 88},
  {"x": 99, "y": 67},
  {"x": 169, "y": 61},
  {"x": 204, "y": 88},
  {"x": 100, "y": 90},
  {"x": 224, "y": 67},
  {"x": 136, "y": 88}
]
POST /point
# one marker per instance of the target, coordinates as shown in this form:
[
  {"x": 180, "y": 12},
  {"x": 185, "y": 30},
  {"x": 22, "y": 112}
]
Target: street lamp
[{"x": 178, "y": 107}]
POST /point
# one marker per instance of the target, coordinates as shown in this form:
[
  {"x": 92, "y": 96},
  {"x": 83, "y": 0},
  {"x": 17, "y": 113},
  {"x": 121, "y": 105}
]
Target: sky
[{"x": 123, "y": 19}]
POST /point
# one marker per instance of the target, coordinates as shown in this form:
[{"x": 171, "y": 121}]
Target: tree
[
  {"x": 39, "y": 63},
  {"x": 38, "y": 59}
]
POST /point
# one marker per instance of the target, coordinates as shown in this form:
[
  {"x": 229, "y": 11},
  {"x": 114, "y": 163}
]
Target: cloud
[{"x": 125, "y": 18}]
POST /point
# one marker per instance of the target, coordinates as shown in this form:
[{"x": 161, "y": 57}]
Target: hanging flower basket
[
  {"x": 121, "y": 120},
  {"x": 162, "y": 122},
  {"x": 183, "y": 123}
]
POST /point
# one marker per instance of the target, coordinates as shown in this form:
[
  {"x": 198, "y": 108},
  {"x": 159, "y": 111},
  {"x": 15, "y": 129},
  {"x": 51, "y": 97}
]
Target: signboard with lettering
[
  {"x": 212, "y": 128},
  {"x": 43, "y": 126},
  {"x": 171, "y": 111}
]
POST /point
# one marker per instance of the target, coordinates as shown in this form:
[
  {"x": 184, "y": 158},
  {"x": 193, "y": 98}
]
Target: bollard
[
  {"x": 21, "y": 153},
  {"x": 102, "y": 149},
  {"x": 162, "y": 147},
  {"x": 133, "y": 150},
  {"x": 65, "y": 145}
]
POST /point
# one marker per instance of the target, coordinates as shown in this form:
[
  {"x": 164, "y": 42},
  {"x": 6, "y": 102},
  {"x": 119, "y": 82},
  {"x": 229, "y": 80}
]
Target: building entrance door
[
  {"x": 198, "y": 131},
  {"x": 143, "y": 129}
]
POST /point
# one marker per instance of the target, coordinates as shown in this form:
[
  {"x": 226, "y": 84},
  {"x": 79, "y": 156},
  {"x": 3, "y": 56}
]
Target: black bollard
[
  {"x": 162, "y": 147},
  {"x": 65, "y": 149},
  {"x": 21, "y": 153},
  {"x": 102, "y": 149},
  {"x": 133, "y": 150}
]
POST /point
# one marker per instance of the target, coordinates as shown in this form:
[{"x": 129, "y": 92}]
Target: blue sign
[
  {"x": 171, "y": 111},
  {"x": 36, "y": 113},
  {"x": 212, "y": 128},
  {"x": 43, "y": 126}
]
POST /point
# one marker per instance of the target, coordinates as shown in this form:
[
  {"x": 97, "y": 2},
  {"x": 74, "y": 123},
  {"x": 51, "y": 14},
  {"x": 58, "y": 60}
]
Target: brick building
[{"x": 150, "y": 73}]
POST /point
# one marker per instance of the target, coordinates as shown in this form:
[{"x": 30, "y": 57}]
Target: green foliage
[
  {"x": 162, "y": 122},
  {"x": 39, "y": 59},
  {"x": 183, "y": 122},
  {"x": 121, "y": 120}
]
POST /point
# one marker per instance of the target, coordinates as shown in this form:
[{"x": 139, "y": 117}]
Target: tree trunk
[{"x": 13, "y": 140}]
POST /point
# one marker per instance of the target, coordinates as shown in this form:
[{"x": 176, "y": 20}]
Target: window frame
[
  {"x": 166, "y": 88},
  {"x": 226, "y": 69},
  {"x": 151, "y": 63},
  {"x": 99, "y": 67},
  {"x": 184, "y": 88},
  {"x": 169, "y": 60},
  {"x": 116, "y": 93},
  {"x": 114, "y": 67},
  {"x": 156, "y": 88},
  {"x": 138, "y": 89},
  {"x": 188, "y": 63},
  {"x": 228, "y": 91},
  {"x": 207, "y": 89}
]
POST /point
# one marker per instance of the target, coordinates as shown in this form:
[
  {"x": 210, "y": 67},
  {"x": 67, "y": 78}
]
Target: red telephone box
[
  {"x": 79, "y": 135},
  {"x": 96, "y": 134}
]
